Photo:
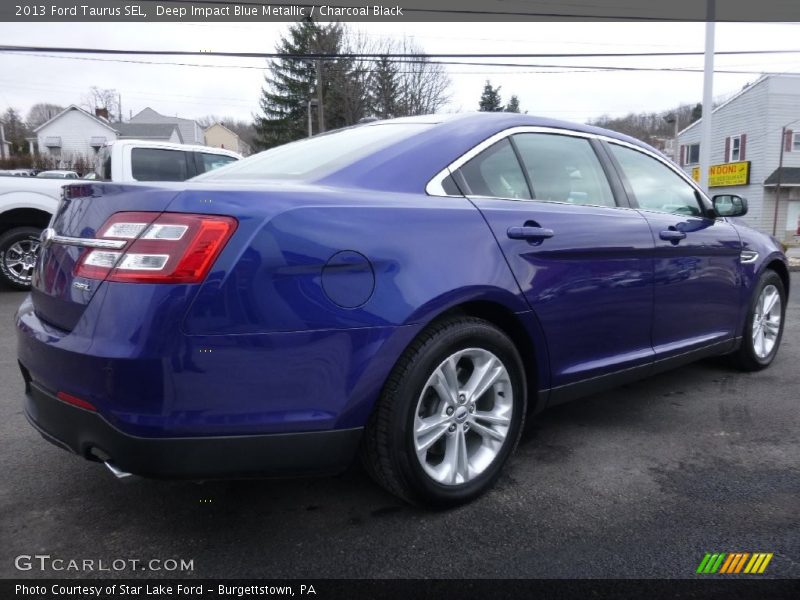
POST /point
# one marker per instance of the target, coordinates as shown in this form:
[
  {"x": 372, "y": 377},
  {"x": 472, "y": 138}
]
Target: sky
[{"x": 230, "y": 90}]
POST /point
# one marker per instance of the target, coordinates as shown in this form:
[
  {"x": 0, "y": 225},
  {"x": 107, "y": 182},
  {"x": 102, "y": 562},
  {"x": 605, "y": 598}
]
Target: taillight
[{"x": 163, "y": 248}]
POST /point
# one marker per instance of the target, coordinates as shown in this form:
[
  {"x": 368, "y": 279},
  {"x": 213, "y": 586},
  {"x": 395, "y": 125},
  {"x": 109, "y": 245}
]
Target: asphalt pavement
[{"x": 640, "y": 481}]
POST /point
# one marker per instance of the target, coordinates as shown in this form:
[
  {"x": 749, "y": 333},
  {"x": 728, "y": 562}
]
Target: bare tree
[
  {"x": 423, "y": 85},
  {"x": 349, "y": 89},
  {"x": 101, "y": 98},
  {"x": 41, "y": 113}
]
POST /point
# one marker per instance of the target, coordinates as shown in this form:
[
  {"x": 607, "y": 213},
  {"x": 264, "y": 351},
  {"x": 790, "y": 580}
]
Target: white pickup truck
[{"x": 27, "y": 203}]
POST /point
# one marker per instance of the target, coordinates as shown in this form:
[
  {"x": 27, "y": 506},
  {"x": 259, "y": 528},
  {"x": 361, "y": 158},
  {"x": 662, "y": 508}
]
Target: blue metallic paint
[{"x": 259, "y": 347}]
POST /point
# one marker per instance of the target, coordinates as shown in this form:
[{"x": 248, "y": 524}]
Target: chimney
[{"x": 101, "y": 112}]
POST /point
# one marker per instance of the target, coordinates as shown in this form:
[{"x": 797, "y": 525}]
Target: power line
[
  {"x": 561, "y": 68},
  {"x": 379, "y": 55}
]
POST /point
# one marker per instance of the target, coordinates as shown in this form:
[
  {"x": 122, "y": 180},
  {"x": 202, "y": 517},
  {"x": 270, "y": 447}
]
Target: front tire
[
  {"x": 763, "y": 328},
  {"x": 450, "y": 414},
  {"x": 18, "y": 249}
]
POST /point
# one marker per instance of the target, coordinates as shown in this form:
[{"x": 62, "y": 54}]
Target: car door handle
[
  {"x": 529, "y": 233},
  {"x": 672, "y": 235}
]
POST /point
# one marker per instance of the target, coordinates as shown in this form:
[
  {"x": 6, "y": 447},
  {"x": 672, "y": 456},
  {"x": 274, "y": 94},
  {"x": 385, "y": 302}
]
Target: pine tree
[
  {"x": 490, "y": 98},
  {"x": 385, "y": 89},
  {"x": 513, "y": 105},
  {"x": 15, "y": 131},
  {"x": 292, "y": 82},
  {"x": 697, "y": 112}
]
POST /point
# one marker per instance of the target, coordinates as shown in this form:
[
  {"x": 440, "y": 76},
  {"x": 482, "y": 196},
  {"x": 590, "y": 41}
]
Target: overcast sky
[{"x": 191, "y": 91}]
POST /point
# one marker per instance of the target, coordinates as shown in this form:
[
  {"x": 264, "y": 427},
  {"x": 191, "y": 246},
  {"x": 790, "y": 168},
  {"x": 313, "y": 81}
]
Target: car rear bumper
[{"x": 88, "y": 434}]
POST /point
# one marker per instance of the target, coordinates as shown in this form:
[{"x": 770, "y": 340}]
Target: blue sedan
[{"x": 408, "y": 291}]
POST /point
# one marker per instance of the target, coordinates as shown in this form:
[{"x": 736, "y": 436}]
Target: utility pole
[
  {"x": 311, "y": 103},
  {"x": 318, "y": 67},
  {"x": 779, "y": 182},
  {"x": 708, "y": 89},
  {"x": 320, "y": 105}
]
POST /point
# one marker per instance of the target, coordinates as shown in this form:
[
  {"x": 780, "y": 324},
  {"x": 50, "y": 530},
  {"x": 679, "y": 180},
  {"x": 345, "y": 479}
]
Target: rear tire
[
  {"x": 18, "y": 249},
  {"x": 763, "y": 327},
  {"x": 449, "y": 416}
]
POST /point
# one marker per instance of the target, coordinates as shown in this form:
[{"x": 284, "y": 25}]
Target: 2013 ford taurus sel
[{"x": 408, "y": 290}]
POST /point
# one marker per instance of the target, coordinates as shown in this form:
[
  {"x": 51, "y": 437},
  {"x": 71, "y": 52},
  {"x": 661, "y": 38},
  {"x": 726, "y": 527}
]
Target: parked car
[
  {"x": 27, "y": 205},
  {"x": 58, "y": 174},
  {"x": 25, "y": 172},
  {"x": 410, "y": 290}
]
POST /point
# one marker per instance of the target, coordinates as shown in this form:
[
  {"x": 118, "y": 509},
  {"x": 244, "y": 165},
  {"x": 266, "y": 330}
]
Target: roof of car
[
  {"x": 410, "y": 163},
  {"x": 496, "y": 121}
]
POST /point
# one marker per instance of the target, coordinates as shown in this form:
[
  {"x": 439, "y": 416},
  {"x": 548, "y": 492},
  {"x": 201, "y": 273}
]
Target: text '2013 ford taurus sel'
[{"x": 410, "y": 291}]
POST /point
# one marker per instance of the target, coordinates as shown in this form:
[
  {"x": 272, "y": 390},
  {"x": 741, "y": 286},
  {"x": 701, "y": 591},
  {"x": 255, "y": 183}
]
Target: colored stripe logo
[{"x": 729, "y": 563}]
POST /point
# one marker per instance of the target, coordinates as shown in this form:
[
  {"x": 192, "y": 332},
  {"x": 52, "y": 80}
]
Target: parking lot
[{"x": 641, "y": 482}]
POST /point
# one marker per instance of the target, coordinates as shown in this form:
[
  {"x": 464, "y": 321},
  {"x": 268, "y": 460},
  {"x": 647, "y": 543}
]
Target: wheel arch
[
  {"x": 23, "y": 217},
  {"x": 522, "y": 329},
  {"x": 781, "y": 269}
]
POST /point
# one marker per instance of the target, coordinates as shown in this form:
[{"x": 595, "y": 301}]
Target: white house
[
  {"x": 75, "y": 133},
  {"x": 72, "y": 133},
  {"x": 191, "y": 132},
  {"x": 746, "y": 147}
]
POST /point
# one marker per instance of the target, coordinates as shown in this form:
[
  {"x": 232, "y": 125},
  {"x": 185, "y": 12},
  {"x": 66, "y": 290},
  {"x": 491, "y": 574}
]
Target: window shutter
[
  {"x": 743, "y": 147},
  {"x": 787, "y": 142},
  {"x": 727, "y": 149},
  {"x": 683, "y": 155}
]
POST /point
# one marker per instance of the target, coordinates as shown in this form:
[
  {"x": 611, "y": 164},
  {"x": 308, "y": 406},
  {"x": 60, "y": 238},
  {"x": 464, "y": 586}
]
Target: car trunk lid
[{"x": 59, "y": 296}]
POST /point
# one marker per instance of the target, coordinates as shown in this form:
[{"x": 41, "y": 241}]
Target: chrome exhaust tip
[{"x": 118, "y": 473}]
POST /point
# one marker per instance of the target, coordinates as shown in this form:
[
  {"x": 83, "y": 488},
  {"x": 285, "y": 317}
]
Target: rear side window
[
  {"x": 496, "y": 173},
  {"x": 156, "y": 164},
  {"x": 562, "y": 168},
  {"x": 209, "y": 162}
]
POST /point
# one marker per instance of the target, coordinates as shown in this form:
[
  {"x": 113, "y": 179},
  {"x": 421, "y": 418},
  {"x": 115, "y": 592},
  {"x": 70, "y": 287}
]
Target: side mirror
[{"x": 729, "y": 205}]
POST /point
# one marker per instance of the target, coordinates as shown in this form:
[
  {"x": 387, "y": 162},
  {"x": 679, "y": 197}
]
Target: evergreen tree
[
  {"x": 15, "y": 131},
  {"x": 385, "y": 89},
  {"x": 292, "y": 82},
  {"x": 697, "y": 112},
  {"x": 513, "y": 105},
  {"x": 490, "y": 98}
]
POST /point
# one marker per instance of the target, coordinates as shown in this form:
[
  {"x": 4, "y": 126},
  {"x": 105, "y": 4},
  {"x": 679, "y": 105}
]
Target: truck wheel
[{"x": 18, "y": 250}]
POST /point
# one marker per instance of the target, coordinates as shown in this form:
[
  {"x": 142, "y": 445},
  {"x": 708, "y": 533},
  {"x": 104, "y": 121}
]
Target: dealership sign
[{"x": 735, "y": 173}]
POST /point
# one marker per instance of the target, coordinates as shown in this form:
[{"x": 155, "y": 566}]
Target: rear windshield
[{"x": 313, "y": 157}]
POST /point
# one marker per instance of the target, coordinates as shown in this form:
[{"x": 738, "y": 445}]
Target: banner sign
[{"x": 726, "y": 175}]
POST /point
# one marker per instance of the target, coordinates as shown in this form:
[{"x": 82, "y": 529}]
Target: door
[
  {"x": 582, "y": 262},
  {"x": 697, "y": 281}
]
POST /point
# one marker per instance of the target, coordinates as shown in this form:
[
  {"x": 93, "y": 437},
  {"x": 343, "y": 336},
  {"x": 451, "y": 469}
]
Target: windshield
[{"x": 313, "y": 157}]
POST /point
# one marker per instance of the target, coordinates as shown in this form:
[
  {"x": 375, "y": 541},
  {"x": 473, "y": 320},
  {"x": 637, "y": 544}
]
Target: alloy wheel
[
  {"x": 20, "y": 258},
  {"x": 766, "y": 321},
  {"x": 463, "y": 416}
]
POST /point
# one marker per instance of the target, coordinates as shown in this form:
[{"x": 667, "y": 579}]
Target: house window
[
  {"x": 796, "y": 142},
  {"x": 736, "y": 148},
  {"x": 693, "y": 154}
]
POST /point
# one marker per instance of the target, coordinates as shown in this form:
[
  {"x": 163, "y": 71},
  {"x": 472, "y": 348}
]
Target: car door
[
  {"x": 697, "y": 282},
  {"x": 582, "y": 262}
]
